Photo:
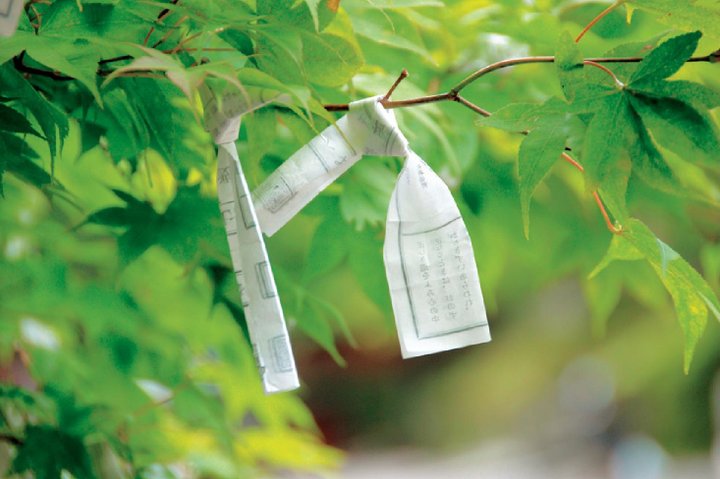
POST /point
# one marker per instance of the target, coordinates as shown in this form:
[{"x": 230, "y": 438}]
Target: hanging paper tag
[
  {"x": 368, "y": 128},
  {"x": 258, "y": 293},
  {"x": 10, "y": 11},
  {"x": 431, "y": 271},
  {"x": 264, "y": 315}
]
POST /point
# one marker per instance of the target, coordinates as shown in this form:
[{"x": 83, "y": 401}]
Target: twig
[
  {"x": 164, "y": 13},
  {"x": 11, "y": 439},
  {"x": 403, "y": 75},
  {"x": 20, "y": 66},
  {"x": 472, "y": 106},
  {"x": 170, "y": 31}
]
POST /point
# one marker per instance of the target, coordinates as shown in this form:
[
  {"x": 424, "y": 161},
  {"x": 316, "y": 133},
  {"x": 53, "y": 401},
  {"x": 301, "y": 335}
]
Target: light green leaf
[
  {"x": 569, "y": 65},
  {"x": 328, "y": 247},
  {"x": 366, "y": 194},
  {"x": 648, "y": 162},
  {"x": 687, "y": 15},
  {"x": 692, "y": 296},
  {"x": 330, "y": 60},
  {"x": 539, "y": 151}
]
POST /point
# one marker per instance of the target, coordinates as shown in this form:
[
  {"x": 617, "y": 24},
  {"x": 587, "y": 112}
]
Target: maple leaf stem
[
  {"x": 599, "y": 17},
  {"x": 601, "y": 206},
  {"x": 616, "y": 230},
  {"x": 617, "y": 81}
]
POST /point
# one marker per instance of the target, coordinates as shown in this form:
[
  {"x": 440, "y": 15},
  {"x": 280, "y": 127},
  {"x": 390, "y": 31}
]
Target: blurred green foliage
[{"x": 123, "y": 349}]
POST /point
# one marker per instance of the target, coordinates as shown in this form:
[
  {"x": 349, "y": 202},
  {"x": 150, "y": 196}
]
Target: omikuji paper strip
[
  {"x": 263, "y": 312},
  {"x": 430, "y": 266},
  {"x": 253, "y": 273}
]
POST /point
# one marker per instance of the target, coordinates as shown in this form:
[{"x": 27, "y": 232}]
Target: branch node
[{"x": 403, "y": 75}]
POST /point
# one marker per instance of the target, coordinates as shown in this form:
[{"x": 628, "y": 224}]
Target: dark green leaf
[
  {"x": 48, "y": 451},
  {"x": 666, "y": 58},
  {"x": 695, "y": 94},
  {"x": 11, "y": 120},
  {"x": 679, "y": 127},
  {"x": 52, "y": 120},
  {"x": 605, "y": 139}
]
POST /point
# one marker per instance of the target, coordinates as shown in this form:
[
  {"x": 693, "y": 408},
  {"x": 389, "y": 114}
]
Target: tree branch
[{"x": 453, "y": 93}]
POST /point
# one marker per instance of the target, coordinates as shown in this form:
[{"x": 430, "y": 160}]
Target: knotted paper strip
[
  {"x": 367, "y": 129},
  {"x": 263, "y": 312},
  {"x": 430, "y": 266},
  {"x": 10, "y": 11}
]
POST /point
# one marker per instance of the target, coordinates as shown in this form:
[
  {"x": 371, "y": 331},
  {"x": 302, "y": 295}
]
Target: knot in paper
[
  {"x": 367, "y": 129},
  {"x": 223, "y": 112},
  {"x": 376, "y": 129}
]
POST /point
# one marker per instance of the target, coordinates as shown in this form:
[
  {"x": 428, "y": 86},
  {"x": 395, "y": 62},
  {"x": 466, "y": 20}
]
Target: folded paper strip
[
  {"x": 429, "y": 260},
  {"x": 430, "y": 266},
  {"x": 251, "y": 266}
]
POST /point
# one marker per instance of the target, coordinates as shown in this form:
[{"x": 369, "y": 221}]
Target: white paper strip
[
  {"x": 253, "y": 273},
  {"x": 263, "y": 312},
  {"x": 10, "y": 11},
  {"x": 368, "y": 128},
  {"x": 430, "y": 266}
]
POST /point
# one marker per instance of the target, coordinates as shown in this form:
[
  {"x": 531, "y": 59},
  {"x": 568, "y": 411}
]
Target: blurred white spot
[
  {"x": 638, "y": 457},
  {"x": 16, "y": 247},
  {"x": 38, "y": 334},
  {"x": 447, "y": 176},
  {"x": 26, "y": 217},
  {"x": 156, "y": 391}
]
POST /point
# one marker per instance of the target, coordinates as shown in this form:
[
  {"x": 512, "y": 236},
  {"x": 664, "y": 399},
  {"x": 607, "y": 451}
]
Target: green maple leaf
[{"x": 692, "y": 296}]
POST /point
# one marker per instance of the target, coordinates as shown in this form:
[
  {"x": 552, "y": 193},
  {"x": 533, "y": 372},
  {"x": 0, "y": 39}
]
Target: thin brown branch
[
  {"x": 182, "y": 20},
  {"x": 164, "y": 13},
  {"x": 454, "y": 92},
  {"x": 472, "y": 106},
  {"x": 20, "y": 66},
  {"x": 403, "y": 75}
]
